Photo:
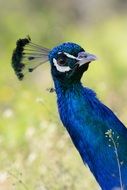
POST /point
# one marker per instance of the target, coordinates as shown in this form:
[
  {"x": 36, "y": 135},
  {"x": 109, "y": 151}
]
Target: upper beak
[{"x": 85, "y": 57}]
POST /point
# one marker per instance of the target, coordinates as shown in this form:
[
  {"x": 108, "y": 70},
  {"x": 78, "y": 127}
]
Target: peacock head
[{"x": 68, "y": 61}]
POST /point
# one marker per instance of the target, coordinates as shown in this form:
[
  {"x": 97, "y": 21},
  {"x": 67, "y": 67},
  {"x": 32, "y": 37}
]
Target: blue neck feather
[{"x": 87, "y": 120}]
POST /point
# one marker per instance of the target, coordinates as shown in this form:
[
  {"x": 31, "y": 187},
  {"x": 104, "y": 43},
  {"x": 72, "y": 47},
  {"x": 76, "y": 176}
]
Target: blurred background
[{"x": 36, "y": 152}]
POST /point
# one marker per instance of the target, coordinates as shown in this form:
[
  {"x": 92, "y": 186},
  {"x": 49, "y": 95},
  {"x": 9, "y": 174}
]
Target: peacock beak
[{"x": 85, "y": 57}]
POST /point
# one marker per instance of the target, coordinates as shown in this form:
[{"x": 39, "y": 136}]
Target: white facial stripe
[
  {"x": 62, "y": 69},
  {"x": 59, "y": 52},
  {"x": 70, "y": 56}
]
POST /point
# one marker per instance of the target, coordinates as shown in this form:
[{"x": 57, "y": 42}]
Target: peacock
[{"x": 98, "y": 135}]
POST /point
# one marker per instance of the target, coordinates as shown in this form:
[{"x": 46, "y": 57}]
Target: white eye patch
[
  {"x": 59, "y": 68},
  {"x": 70, "y": 56}
]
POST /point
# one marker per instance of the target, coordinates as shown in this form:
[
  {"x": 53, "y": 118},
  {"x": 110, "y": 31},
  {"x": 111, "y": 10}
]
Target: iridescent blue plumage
[
  {"x": 92, "y": 126},
  {"x": 99, "y": 136},
  {"x": 87, "y": 120},
  {"x": 68, "y": 47}
]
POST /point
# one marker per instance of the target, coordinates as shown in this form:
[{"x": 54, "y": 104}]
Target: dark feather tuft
[
  {"x": 27, "y": 56},
  {"x": 17, "y": 57}
]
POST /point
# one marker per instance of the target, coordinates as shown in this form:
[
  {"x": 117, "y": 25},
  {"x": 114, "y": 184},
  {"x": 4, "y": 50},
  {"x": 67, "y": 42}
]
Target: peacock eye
[{"x": 61, "y": 59}]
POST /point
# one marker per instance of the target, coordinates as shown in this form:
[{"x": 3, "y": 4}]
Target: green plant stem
[{"x": 118, "y": 162}]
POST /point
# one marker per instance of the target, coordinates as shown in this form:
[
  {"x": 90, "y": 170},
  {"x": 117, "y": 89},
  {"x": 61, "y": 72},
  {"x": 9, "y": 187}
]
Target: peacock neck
[
  {"x": 63, "y": 88},
  {"x": 69, "y": 100}
]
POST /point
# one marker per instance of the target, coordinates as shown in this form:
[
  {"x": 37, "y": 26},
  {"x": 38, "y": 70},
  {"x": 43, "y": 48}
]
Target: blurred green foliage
[{"x": 36, "y": 151}]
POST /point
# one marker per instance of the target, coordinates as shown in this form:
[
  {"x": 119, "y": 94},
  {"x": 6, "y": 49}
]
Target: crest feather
[{"x": 27, "y": 56}]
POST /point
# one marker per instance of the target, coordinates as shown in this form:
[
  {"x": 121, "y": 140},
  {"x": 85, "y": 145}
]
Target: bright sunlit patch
[{"x": 3, "y": 177}]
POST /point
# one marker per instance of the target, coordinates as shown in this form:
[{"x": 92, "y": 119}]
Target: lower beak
[{"x": 86, "y": 58}]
